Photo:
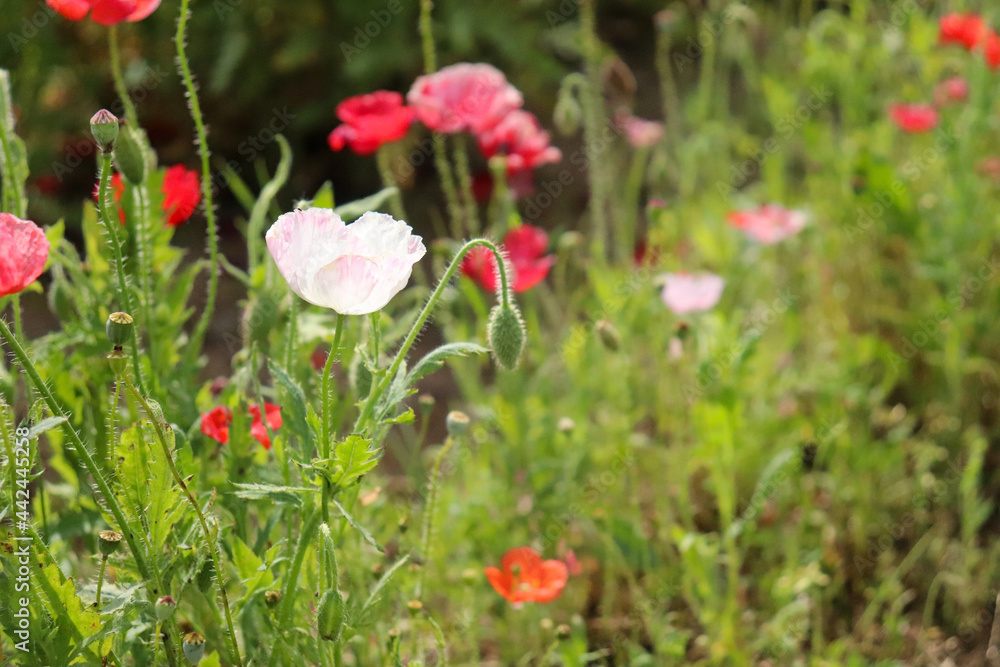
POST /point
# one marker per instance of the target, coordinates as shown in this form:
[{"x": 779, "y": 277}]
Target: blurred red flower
[
  {"x": 519, "y": 137},
  {"x": 181, "y": 194},
  {"x": 215, "y": 423},
  {"x": 968, "y": 30},
  {"x": 525, "y": 247},
  {"x": 370, "y": 121},
  {"x": 258, "y": 429},
  {"x": 768, "y": 223},
  {"x": 914, "y": 118},
  {"x": 524, "y": 577},
  {"x": 991, "y": 50},
  {"x": 23, "y": 253},
  {"x": 463, "y": 98},
  {"x": 105, "y": 12},
  {"x": 951, "y": 91}
]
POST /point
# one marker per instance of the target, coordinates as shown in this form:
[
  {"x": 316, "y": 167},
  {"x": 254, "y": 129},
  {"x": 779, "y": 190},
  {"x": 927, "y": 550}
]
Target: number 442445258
[{"x": 22, "y": 462}]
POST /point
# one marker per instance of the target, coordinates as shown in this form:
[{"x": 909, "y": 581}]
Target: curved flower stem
[
  {"x": 213, "y": 546},
  {"x": 116, "y": 74},
  {"x": 326, "y": 433},
  {"x": 428, "y": 532},
  {"x": 376, "y": 393},
  {"x": 103, "y": 199},
  {"x": 194, "y": 345}
]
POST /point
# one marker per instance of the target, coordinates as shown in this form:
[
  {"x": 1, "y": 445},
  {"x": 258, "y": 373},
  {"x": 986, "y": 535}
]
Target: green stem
[
  {"x": 465, "y": 182},
  {"x": 327, "y": 423},
  {"x": 213, "y": 546},
  {"x": 104, "y": 204},
  {"x": 292, "y": 575},
  {"x": 631, "y": 208},
  {"x": 16, "y": 298},
  {"x": 198, "y": 336},
  {"x": 427, "y": 36},
  {"x": 428, "y": 532},
  {"x": 593, "y": 105},
  {"x": 100, "y": 582},
  {"x": 382, "y": 159},
  {"x": 448, "y": 186},
  {"x": 376, "y": 393},
  {"x": 116, "y": 74}
]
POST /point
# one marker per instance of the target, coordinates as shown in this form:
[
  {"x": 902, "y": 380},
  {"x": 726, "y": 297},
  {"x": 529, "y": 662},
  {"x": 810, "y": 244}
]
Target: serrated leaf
[
  {"x": 353, "y": 457},
  {"x": 44, "y": 425},
  {"x": 357, "y": 526},
  {"x": 286, "y": 495},
  {"x": 436, "y": 358}
]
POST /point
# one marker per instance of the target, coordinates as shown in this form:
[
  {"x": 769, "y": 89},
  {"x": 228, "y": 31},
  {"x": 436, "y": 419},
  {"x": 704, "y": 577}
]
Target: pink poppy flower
[
  {"x": 463, "y": 98},
  {"x": 520, "y": 138},
  {"x": 23, "y": 253},
  {"x": 354, "y": 269},
  {"x": 641, "y": 133},
  {"x": 105, "y": 12},
  {"x": 527, "y": 262},
  {"x": 951, "y": 91},
  {"x": 914, "y": 118},
  {"x": 685, "y": 293},
  {"x": 768, "y": 223},
  {"x": 370, "y": 121}
]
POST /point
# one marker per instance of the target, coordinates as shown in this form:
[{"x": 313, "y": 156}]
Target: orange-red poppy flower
[{"x": 524, "y": 577}]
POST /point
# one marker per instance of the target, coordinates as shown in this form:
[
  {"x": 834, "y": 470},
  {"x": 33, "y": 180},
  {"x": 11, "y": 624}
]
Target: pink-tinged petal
[
  {"x": 112, "y": 12},
  {"x": 463, "y": 98},
  {"x": 769, "y": 223},
  {"x": 74, "y": 10},
  {"x": 143, "y": 9},
  {"x": 23, "y": 253},
  {"x": 685, "y": 293},
  {"x": 639, "y": 132}
]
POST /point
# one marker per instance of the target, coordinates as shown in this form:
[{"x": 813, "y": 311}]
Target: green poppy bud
[
  {"x": 130, "y": 156},
  {"x": 330, "y": 618},
  {"x": 361, "y": 376},
  {"x": 110, "y": 542},
  {"x": 165, "y": 608},
  {"x": 104, "y": 127},
  {"x": 505, "y": 332},
  {"x": 194, "y": 647},
  {"x": 608, "y": 334},
  {"x": 119, "y": 328}
]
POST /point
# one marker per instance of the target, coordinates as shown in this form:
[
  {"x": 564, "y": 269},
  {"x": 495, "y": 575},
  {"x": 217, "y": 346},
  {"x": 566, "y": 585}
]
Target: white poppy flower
[
  {"x": 353, "y": 269},
  {"x": 685, "y": 293}
]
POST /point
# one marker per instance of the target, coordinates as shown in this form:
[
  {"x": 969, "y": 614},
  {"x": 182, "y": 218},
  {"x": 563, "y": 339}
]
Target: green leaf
[
  {"x": 323, "y": 198},
  {"x": 147, "y": 484},
  {"x": 361, "y": 529},
  {"x": 354, "y": 457},
  {"x": 435, "y": 359},
  {"x": 44, "y": 425},
  {"x": 355, "y": 209},
  {"x": 285, "y": 495},
  {"x": 248, "y": 565},
  {"x": 295, "y": 405}
]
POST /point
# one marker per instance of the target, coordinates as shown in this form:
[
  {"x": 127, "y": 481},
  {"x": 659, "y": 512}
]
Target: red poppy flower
[
  {"x": 964, "y": 29},
  {"x": 528, "y": 263},
  {"x": 370, "y": 121},
  {"x": 524, "y": 577},
  {"x": 181, "y": 194},
  {"x": 914, "y": 118},
  {"x": 519, "y": 137},
  {"x": 258, "y": 429},
  {"x": 215, "y": 423},
  {"x": 105, "y": 12},
  {"x": 991, "y": 50},
  {"x": 23, "y": 253},
  {"x": 463, "y": 98}
]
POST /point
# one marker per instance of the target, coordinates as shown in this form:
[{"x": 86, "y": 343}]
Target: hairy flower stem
[
  {"x": 100, "y": 582},
  {"x": 383, "y": 160},
  {"x": 593, "y": 113},
  {"x": 326, "y": 430},
  {"x": 108, "y": 497},
  {"x": 369, "y": 407},
  {"x": 116, "y": 74},
  {"x": 465, "y": 182},
  {"x": 427, "y": 36},
  {"x": 213, "y": 546},
  {"x": 198, "y": 336},
  {"x": 292, "y": 574},
  {"x": 455, "y": 213},
  {"x": 428, "y": 532},
  {"x": 103, "y": 195}
]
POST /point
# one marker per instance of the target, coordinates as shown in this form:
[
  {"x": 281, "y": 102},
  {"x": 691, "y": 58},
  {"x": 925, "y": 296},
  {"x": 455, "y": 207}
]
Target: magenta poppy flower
[
  {"x": 520, "y": 138},
  {"x": 23, "y": 253},
  {"x": 769, "y": 223},
  {"x": 463, "y": 98},
  {"x": 105, "y": 12},
  {"x": 914, "y": 118},
  {"x": 529, "y": 265},
  {"x": 639, "y": 132},
  {"x": 353, "y": 269},
  {"x": 370, "y": 121},
  {"x": 685, "y": 293}
]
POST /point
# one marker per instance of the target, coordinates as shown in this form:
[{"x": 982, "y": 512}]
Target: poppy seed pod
[
  {"x": 119, "y": 328},
  {"x": 111, "y": 541},
  {"x": 457, "y": 423},
  {"x": 505, "y": 332},
  {"x": 104, "y": 127},
  {"x": 165, "y": 608},
  {"x": 194, "y": 647}
]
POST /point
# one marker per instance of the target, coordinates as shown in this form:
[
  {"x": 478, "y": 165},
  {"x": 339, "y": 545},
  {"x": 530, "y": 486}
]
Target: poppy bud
[
  {"x": 563, "y": 632},
  {"x": 165, "y": 608},
  {"x": 130, "y": 155},
  {"x": 330, "y": 619},
  {"x": 204, "y": 578},
  {"x": 457, "y": 423},
  {"x": 361, "y": 376},
  {"x": 426, "y": 402},
  {"x": 119, "y": 328},
  {"x": 568, "y": 113},
  {"x": 272, "y": 598},
  {"x": 608, "y": 334},
  {"x": 119, "y": 362},
  {"x": 194, "y": 647},
  {"x": 104, "y": 127},
  {"x": 111, "y": 541},
  {"x": 505, "y": 332}
]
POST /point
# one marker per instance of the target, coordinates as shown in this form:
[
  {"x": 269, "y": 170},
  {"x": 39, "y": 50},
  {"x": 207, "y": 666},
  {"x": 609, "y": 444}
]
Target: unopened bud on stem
[{"x": 104, "y": 127}]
